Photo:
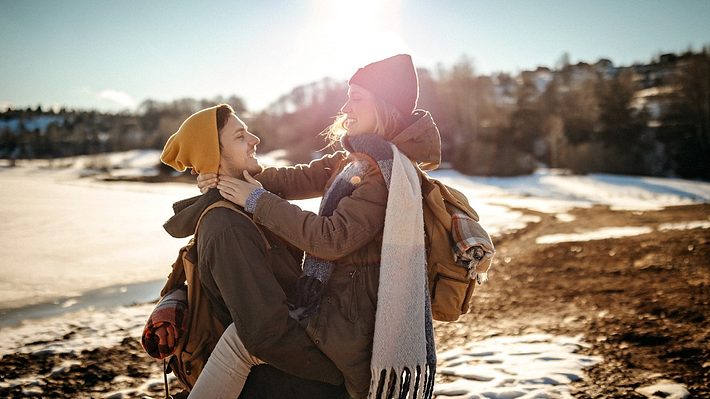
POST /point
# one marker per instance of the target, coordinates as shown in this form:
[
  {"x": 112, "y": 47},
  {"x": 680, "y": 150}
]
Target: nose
[
  {"x": 254, "y": 140},
  {"x": 346, "y": 107}
]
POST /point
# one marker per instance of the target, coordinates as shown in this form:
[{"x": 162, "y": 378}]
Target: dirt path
[{"x": 642, "y": 302}]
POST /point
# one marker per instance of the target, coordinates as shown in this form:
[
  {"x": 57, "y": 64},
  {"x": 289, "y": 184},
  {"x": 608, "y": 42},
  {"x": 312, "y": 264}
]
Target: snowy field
[
  {"x": 527, "y": 366},
  {"x": 74, "y": 245},
  {"x": 66, "y": 236}
]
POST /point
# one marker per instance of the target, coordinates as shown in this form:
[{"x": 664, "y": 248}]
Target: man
[{"x": 247, "y": 283}]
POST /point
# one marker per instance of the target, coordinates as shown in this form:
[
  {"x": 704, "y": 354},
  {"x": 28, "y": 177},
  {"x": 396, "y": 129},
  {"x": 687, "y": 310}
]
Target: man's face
[{"x": 238, "y": 149}]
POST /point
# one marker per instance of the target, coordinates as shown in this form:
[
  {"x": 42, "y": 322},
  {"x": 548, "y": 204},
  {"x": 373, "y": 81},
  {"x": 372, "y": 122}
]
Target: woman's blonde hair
[{"x": 388, "y": 122}]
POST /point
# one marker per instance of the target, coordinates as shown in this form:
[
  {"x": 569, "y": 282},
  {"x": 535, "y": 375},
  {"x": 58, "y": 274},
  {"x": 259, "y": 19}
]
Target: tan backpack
[
  {"x": 203, "y": 328},
  {"x": 451, "y": 286}
]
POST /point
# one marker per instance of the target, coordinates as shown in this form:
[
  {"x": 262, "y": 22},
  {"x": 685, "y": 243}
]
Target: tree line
[{"x": 650, "y": 119}]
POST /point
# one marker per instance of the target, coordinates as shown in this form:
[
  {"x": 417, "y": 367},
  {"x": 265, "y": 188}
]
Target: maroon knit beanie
[{"x": 393, "y": 79}]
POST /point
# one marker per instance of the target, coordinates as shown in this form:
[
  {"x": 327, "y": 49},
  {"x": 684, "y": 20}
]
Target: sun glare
[{"x": 353, "y": 34}]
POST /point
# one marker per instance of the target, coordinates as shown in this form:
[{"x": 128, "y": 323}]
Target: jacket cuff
[{"x": 253, "y": 199}]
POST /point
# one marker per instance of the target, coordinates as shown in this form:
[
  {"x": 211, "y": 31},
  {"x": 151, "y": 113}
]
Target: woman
[{"x": 362, "y": 295}]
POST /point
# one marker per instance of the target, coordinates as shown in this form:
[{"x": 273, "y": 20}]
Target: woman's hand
[
  {"x": 206, "y": 181},
  {"x": 237, "y": 190}
]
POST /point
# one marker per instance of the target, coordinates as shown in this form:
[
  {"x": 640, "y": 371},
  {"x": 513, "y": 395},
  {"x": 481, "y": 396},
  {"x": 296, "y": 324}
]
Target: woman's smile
[{"x": 350, "y": 122}]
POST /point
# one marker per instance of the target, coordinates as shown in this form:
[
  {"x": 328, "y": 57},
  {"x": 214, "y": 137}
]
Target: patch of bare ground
[{"x": 642, "y": 302}]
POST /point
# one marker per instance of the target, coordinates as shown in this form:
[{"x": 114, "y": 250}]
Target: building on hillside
[
  {"x": 540, "y": 77},
  {"x": 504, "y": 89},
  {"x": 656, "y": 83}
]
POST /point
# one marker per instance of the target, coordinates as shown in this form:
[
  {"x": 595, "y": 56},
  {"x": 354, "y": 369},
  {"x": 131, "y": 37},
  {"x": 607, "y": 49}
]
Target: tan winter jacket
[{"x": 352, "y": 237}]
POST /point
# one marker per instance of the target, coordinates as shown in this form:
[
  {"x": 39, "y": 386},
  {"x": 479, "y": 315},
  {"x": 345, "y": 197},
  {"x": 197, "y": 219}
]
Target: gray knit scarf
[{"x": 399, "y": 379}]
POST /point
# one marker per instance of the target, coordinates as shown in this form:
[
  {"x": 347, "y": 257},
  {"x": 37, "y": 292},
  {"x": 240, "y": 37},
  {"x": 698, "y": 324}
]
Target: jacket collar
[
  {"x": 419, "y": 141},
  {"x": 187, "y": 212}
]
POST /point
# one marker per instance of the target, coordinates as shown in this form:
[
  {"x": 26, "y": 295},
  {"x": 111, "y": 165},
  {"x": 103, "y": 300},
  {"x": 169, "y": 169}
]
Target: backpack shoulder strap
[
  {"x": 229, "y": 205},
  {"x": 177, "y": 276},
  {"x": 438, "y": 194}
]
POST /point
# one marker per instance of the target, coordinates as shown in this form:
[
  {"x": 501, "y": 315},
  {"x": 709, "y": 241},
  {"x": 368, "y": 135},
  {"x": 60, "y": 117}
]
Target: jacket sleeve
[
  {"x": 356, "y": 221},
  {"x": 301, "y": 181},
  {"x": 236, "y": 259}
]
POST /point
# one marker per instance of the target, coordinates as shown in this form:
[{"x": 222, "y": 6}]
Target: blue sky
[{"x": 112, "y": 55}]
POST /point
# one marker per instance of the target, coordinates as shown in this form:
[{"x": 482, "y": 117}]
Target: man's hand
[
  {"x": 237, "y": 190},
  {"x": 206, "y": 181}
]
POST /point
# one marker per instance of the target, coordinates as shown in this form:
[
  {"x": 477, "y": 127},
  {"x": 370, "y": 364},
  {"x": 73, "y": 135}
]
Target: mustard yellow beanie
[{"x": 195, "y": 145}]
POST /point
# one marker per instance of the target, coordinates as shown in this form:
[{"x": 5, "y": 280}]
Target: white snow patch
[
  {"x": 61, "y": 238},
  {"x": 153, "y": 385},
  {"x": 137, "y": 162},
  {"x": 83, "y": 330},
  {"x": 550, "y": 192},
  {"x": 527, "y": 366},
  {"x": 695, "y": 224},
  {"x": 565, "y": 217},
  {"x": 73, "y": 332},
  {"x": 600, "y": 234},
  {"x": 664, "y": 389}
]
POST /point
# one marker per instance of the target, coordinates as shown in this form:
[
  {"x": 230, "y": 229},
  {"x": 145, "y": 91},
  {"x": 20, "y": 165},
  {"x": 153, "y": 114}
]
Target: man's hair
[{"x": 223, "y": 112}]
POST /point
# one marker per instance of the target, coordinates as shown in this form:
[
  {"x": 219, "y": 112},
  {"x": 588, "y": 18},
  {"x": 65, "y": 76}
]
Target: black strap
[{"x": 165, "y": 379}]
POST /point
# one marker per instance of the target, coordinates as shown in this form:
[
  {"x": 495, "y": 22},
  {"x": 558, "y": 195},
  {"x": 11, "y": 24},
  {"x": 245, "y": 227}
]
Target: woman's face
[{"x": 361, "y": 111}]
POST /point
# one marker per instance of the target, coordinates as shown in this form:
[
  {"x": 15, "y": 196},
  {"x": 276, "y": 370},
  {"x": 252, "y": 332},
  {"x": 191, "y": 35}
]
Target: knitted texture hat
[
  {"x": 195, "y": 145},
  {"x": 393, "y": 79}
]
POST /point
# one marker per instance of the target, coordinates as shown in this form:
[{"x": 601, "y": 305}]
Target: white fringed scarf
[{"x": 399, "y": 352}]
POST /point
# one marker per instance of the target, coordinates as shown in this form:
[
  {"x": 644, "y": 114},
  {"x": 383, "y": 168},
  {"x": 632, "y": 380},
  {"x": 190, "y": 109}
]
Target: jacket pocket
[
  {"x": 354, "y": 303},
  {"x": 450, "y": 295},
  {"x": 366, "y": 286},
  {"x": 187, "y": 366},
  {"x": 350, "y": 307}
]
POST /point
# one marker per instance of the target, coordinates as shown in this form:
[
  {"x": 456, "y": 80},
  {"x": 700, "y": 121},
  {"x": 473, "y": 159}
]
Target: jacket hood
[
  {"x": 187, "y": 212},
  {"x": 420, "y": 141}
]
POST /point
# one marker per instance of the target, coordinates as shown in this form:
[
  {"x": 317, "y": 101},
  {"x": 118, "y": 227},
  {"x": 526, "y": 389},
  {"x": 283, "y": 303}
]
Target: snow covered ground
[
  {"x": 600, "y": 234},
  {"x": 74, "y": 245},
  {"x": 64, "y": 236},
  {"x": 526, "y": 366}
]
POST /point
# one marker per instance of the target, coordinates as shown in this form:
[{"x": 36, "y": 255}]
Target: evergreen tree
[{"x": 685, "y": 126}]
